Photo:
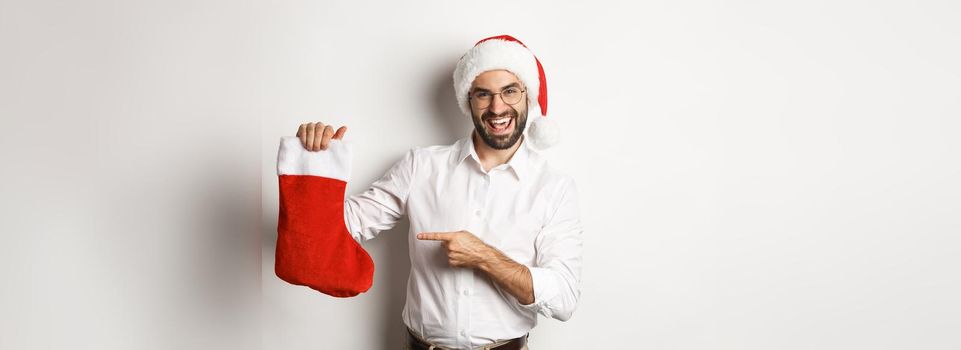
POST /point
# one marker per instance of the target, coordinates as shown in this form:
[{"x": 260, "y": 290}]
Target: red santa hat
[{"x": 507, "y": 53}]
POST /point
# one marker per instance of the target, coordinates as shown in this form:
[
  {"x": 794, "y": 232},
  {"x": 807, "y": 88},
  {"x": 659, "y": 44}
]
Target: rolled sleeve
[{"x": 556, "y": 273}]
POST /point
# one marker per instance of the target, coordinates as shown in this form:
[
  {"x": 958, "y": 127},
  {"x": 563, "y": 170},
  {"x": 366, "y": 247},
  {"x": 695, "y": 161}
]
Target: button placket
[
  {"x": 481, "y": 194},
  {"x": 464, "y": 280}
]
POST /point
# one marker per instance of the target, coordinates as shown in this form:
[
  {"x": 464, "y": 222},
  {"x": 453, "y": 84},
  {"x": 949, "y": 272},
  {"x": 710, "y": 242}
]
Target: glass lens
[
  {"x": 511, "y": 96},
  {"x": 482, "y": 99}
]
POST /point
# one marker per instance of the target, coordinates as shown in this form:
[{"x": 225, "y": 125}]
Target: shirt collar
[
  {"x": 466, "y": 148},
  {"x": 519, "y": 162}
]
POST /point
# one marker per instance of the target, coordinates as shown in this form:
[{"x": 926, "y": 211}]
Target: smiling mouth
[{"x": 500, "y": 125}]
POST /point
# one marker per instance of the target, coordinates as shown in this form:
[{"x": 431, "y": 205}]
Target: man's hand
[
  {"x": 317, "y": 136},
  {"x": 463, "y": 248},
  {"x": 466, "y": 250}
]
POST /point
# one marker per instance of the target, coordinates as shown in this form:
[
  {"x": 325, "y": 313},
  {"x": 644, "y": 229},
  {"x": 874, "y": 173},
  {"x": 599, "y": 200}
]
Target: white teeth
[{"x": 500, "y": 123}]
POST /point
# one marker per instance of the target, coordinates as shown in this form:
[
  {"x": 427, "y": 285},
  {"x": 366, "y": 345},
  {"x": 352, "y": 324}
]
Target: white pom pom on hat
[{"x": 507, "y": 53}]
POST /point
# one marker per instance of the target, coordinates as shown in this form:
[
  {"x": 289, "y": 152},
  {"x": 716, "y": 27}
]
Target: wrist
[{"x": 489, "y": 259}]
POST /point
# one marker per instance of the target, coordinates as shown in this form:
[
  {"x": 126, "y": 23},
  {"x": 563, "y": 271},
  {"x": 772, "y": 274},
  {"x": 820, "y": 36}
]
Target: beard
[{"x": 500, "y": 141}]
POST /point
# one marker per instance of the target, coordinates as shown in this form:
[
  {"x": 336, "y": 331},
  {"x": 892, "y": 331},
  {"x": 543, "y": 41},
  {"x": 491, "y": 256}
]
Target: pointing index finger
[{"x": 434, "y": 236}]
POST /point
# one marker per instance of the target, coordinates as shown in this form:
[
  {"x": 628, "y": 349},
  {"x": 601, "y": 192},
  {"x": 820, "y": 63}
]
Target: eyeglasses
[{"x": 481, "y": 99}]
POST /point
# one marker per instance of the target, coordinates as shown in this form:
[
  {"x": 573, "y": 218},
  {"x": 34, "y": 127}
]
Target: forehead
[{"x": 495, "y": 79}]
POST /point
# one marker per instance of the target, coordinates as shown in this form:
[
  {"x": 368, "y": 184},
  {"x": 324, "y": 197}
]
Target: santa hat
[{"x": 507, "y": 53}]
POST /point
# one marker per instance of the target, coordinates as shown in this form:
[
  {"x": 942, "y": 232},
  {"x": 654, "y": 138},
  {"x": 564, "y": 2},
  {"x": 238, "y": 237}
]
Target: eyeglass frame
[{"x": 471, "y": 98}]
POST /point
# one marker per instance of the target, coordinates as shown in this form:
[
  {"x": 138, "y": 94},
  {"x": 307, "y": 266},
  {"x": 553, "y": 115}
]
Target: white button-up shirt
[{"x": 524, "y": 208}]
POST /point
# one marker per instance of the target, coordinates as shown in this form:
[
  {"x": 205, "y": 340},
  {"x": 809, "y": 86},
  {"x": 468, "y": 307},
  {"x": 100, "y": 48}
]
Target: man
[{"x": 495, "y": 235}]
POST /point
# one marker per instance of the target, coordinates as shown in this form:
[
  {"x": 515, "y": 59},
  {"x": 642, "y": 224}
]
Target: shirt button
[
  {"x": 463, "y": 333},
  {"x": 466, "y": 292},
  {"x": 477, "y": 212}
]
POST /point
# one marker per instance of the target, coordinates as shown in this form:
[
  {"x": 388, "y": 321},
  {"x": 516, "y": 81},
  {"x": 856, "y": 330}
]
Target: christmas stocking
[{"x": 314, "y": 248}]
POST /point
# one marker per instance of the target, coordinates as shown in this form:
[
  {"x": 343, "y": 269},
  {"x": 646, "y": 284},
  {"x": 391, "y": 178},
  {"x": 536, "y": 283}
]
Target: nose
[{"x": 497, "y": 105}]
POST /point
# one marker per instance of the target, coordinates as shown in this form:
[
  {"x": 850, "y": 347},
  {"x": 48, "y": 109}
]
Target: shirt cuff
[{"x": 544, "y": 289}]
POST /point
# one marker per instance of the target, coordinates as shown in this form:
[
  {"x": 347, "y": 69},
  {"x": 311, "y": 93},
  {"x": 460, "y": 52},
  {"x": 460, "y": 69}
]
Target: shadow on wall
[
  {"x": 454, "y": 124},
  {"x": 216, "y": 272}
]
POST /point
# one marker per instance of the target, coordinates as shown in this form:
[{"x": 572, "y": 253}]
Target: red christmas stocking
[{"x": 314, "y": 248}]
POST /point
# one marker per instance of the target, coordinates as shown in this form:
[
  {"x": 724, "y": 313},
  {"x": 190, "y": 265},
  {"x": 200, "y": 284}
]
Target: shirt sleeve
[
  {"x": 556, "y": 273},
  {"x": 383, "y": 204}
]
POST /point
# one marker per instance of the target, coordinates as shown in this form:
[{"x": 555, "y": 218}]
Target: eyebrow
[{"x": 514, "y": 84}]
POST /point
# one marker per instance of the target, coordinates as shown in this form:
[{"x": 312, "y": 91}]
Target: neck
[{"x": 491, "y": 157}]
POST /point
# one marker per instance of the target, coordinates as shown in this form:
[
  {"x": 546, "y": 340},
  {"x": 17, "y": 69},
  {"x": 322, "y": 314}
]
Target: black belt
[{"x": 513, "y": 344}]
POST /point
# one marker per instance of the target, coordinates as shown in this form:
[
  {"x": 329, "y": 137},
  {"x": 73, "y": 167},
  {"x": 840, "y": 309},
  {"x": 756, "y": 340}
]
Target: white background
[{"x": 753, "y": 175}]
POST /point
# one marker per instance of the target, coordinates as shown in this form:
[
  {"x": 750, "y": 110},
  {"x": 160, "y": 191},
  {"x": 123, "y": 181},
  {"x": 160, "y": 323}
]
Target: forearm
[
  {"x": 464, "y": 249},
  {"x": 508, "y": 274}
]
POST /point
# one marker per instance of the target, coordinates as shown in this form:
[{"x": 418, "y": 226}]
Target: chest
[{"x": 502, "y": 210}]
